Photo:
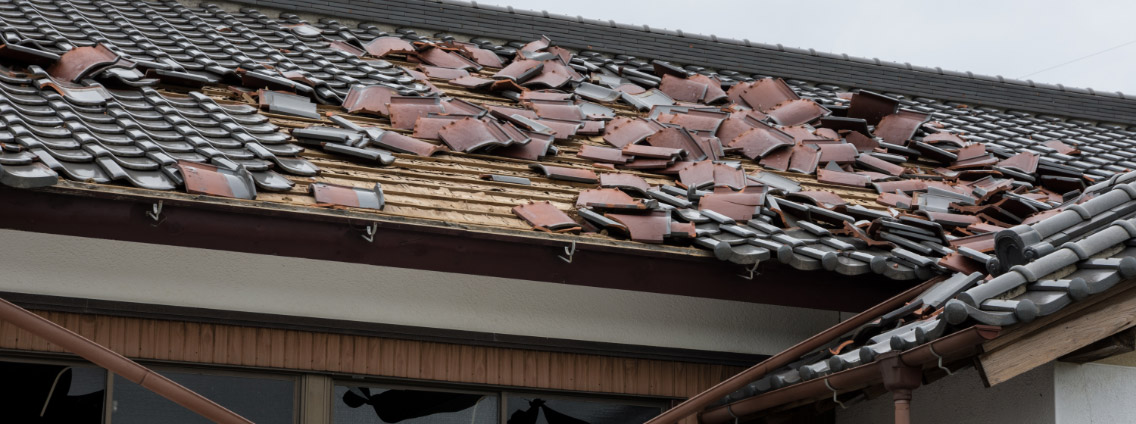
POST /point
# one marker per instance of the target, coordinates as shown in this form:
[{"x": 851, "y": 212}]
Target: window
[
  {"x": 366, "y": 404},
  {"x": 375, "y": 403},
  {"x": 532, "y": 409},
  {"x": 44, "y": 393},
  {"x": 260, "y": 399}
]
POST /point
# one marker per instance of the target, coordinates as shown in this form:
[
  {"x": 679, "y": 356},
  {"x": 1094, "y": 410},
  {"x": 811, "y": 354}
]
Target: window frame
[
  {"x": 502, "y": 393},
  {"x": 108, "y": 377},
  {"x": 225, "y": 371}
]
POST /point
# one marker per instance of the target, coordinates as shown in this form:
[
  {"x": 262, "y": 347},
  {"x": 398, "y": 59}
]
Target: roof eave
[{"x": 266, "y": 228}]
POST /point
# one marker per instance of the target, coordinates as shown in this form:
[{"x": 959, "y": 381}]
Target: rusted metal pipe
[
  {"x": 732, "y": 384},
  {"x": 952, "y": 346},
  {"x": 117, "y": 364}
]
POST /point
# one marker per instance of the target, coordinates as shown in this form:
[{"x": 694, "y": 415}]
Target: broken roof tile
[
  {"x": 383, "y": 46},
  {"x": 652, "y": 227},
  {"x": 626, "y": 182},
  {"x": 761, "y": 140},
  {"x": 682, "y": 89},
  {"x": 443, "y": 72},
  {"x": 805, "y": 159},
  {"x": 842, "y": 178},
  {"x": 208, "y": 179},
  {"x": 371, "y": 99},
  {"x": 797, "y": 112},
  {"x": 871, "y": 107},
  {"x": 602, "y": 154},
  {"x": 608, "y": 198},
  {"x": 763, "y": 94},
  {"x": 556, "y": 109},
  {"x": 738, "y": 206},
  {"x": 537, "y": 147},
  {"x": 78, "y": 62},
  {"x": 1023, "y": 162},
  {"x": 348, "y": 196},
  {"x": 403, "y": 144},
  {"x": 654, "y": 152},
  {"x": 469, "y": 134},
  {"x": 623, "y": 131},
  {"x": 565, "y": 173},
  {"x": 900, "y": 127},
  {"x": 405, "y": 111},
  {"x": 436, "y": 56},
  {"x": 545, "y": 216}
]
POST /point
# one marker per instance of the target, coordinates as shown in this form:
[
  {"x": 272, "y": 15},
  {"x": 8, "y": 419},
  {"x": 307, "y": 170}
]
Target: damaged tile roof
[
  {"x": 1010, "y": 215},
  {"x": 1082, "y": 249},
  {"x": 162, "y": 96}
]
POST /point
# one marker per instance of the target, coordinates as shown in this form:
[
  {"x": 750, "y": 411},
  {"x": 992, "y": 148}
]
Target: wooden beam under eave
[
  {"x": 1107, "y": 317},
  {"x": 1116, "y": 344}
]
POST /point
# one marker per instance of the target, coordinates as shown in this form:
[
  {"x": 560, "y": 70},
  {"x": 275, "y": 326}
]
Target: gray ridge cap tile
[{"x": 956, "y": 312}]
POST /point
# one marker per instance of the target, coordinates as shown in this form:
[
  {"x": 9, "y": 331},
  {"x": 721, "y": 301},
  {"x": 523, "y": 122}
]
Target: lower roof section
[
  {"x": 354, "y": 295},
  {"x": 338, "y": 236}
]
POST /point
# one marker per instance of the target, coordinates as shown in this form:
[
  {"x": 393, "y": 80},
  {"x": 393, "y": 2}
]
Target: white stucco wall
[
  {"x": 1095, "y": 393},
  {"x": 134, "y": 272},
  {"x": 962, "y": 399}
]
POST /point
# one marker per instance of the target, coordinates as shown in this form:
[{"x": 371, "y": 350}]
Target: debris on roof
[{"x": 892, "y": 180}]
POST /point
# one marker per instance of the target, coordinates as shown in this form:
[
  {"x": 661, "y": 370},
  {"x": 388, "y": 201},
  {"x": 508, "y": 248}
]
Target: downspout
[
  {"x": 900, "y": 379},
  {"x": 117, "y": 364}
]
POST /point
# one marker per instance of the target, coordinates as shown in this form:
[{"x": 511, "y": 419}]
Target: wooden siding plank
[
  {"x": 248, "y": 346},
  {"x": 374, "y": 356},
  {"x": 278, "y": 348},
  {"x": 289, "y": 349},
  {"x": 319, "y": 351},
  {"x": 208, "y": 340},
  {"x": 177, "y": 340}
]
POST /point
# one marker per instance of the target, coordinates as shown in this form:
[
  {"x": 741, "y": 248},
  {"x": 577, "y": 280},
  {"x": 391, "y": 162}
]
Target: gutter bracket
[
  {"x": 369, "y": 232},
  {"x": 834, "y": 399},
  {"x": 570, "y": 252},
  {"x": 156, "y": 213},
  {"x": 940, "y": 358},
  {"x": 731, "y": 411},
  {"x": 752, "y": 272}
]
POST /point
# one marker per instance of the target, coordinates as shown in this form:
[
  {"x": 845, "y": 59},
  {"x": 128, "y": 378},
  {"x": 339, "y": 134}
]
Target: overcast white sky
[{"x": 994, "y": 37}]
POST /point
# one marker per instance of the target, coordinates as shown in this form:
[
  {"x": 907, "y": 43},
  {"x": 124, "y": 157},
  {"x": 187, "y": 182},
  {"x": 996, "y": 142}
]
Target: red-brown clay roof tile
[
  {"x": 797, "y": 112},
  {"x": 545, "y": 216},
  {"x": 608, "y": 198},
  {"x": 602, "y": 154},
  {"x": 372, "y": 99},
  {"x": 383, "y": 46},
  {"x": 623, "y": 131},
  {"x": 738, "y": 206},
  {"x": 760, "y": 141},
  {"x": 900, "y": 127},
  {"x": 647, "y": 228},
  {"x": 77, "y": 62},
  {"x": 763, "y": 94}
]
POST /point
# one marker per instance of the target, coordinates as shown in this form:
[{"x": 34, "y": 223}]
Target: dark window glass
[
  {"x": 541, "y": 410},
  {"x": 367, "y": 405},
  {"x": 262, "y": 400},
  {"x": 38, "y": 393}
]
